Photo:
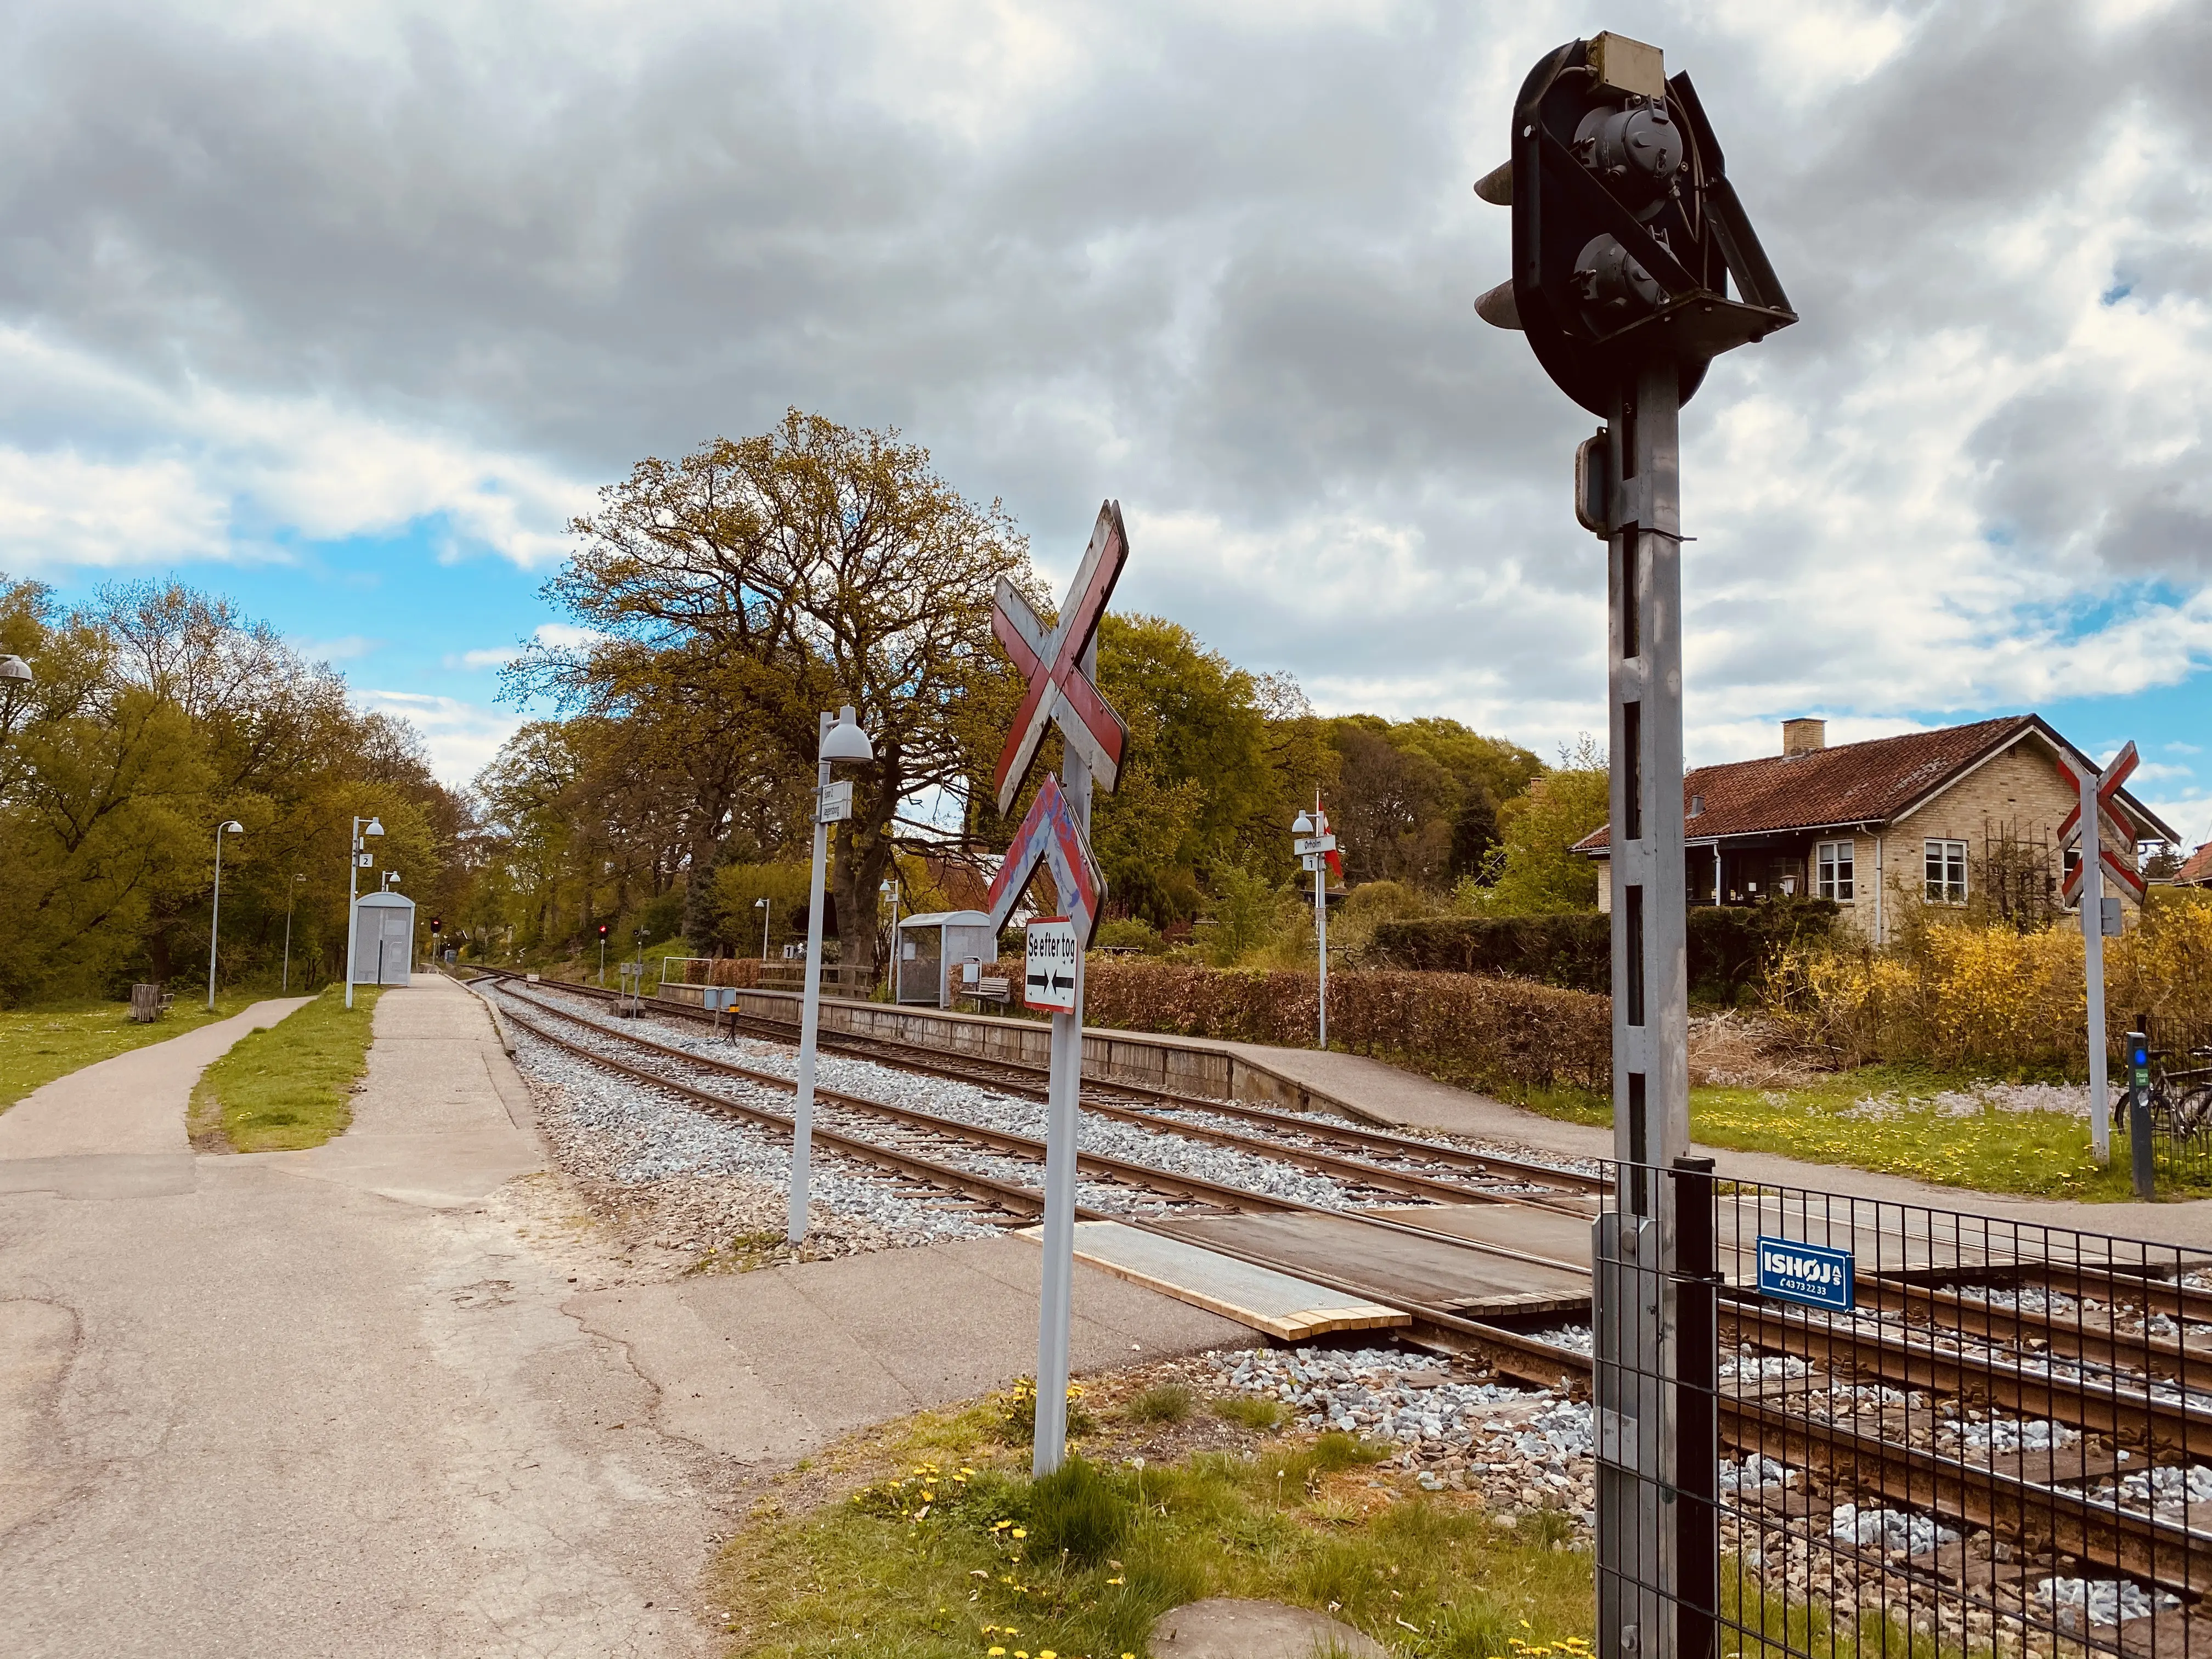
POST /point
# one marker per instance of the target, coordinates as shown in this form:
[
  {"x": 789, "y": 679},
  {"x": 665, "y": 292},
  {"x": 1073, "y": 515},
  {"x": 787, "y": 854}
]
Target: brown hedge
[{"x": 1470, "y": 1027}]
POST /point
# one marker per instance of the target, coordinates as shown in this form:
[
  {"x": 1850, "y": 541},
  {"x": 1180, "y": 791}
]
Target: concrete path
[
  {"x": 1384, "y": 1094},
  {"x": 133, "y": 1105},
  {"x": 339, "y": 1403}
]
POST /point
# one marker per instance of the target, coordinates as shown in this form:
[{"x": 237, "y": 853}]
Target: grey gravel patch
[{"x": 608, "y": 1128}]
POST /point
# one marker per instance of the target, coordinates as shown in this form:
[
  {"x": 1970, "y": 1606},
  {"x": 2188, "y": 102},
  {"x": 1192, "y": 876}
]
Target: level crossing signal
[
  {"x": 436, "y": 925},
  {"x": 603, "y": 929},
  {"x": 1626, "y": 233}
]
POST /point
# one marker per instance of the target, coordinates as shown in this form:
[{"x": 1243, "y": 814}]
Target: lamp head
[
  {"x": 846, "y": 741},
  {"x": 1301, "y": 824},
  {"x": 760, "y": 905},
  {"x": 14, "y": 668},
  {"x": 234, "y": 827},
  {"x": 373, "y": 827}
]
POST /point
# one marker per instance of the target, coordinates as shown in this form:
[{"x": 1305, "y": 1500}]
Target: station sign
[
  {"x": 1053, "y": 950},
  {"x": 836, "y": 803},
  {"x": 1811, "y": 1275},
  {"x": 1313, "y": 846},
  {"x": 1313, "y": 860}
]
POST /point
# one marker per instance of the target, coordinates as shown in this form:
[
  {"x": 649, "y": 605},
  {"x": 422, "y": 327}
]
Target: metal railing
[{"x": 1896, "y": 1430}]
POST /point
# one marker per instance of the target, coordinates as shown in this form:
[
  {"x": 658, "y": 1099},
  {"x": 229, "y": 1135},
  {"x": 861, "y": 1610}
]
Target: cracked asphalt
[{"x": 326, "y": 1402}]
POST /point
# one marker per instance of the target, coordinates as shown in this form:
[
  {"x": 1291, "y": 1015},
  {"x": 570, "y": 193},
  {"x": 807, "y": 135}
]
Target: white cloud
[
  {"x": 462, "y": 737},
  {"x": 347, "y": 647},
  {"x": 498, "y": 656},
  {"x": 195, "y": 470}
]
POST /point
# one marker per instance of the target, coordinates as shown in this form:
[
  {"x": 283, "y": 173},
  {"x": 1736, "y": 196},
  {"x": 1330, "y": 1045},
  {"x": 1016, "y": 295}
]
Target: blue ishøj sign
[{"x": 1815, "y": 1275}]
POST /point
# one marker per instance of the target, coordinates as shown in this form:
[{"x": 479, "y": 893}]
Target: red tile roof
[
  {"x": 2195, "y": 870},
  {"x": 1869, "y": 782}
]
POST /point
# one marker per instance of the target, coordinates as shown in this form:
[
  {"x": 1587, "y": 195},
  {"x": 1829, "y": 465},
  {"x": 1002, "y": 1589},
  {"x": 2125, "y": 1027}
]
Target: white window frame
[
  {"x": 1940, "y": 859},
  {"x": 1835, "y": 871}
]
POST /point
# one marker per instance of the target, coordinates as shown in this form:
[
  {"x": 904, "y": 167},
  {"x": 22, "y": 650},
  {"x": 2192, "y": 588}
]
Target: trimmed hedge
[
  {"x": 1469, "y": 1028},
  {"x": 1732, "y": 947}
]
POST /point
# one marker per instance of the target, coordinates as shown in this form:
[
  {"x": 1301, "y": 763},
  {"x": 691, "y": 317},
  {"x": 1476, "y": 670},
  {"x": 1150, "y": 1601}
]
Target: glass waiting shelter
[
  {"x": 383, "y": 939},
  {"x": 941, "y": 955}
]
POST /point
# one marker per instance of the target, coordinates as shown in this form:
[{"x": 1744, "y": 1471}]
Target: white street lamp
[
  {"x": 841, "y": 740},
  {"x": 764, "y": 908},
  {"x": 1314, "y": 844},
  {"x": 290, "y": 900},
  {"x": 214, "y": 916},
  {"x": 355, "y": 859},
  {"x": 14, "y": 668}
]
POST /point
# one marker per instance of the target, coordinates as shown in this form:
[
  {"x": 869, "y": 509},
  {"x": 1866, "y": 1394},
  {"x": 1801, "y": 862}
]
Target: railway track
[{"x": 2121, "y": 1395}]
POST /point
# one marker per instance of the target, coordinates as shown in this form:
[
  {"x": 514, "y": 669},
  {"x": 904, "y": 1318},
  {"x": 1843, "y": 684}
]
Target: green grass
[
  {"x": 959, "y": 1557},
  {"x": 1164, "y": 1403},
  {"x": 40, "y": 1043},
  {"x": 2040, "y": 1154},
  {"x": 289, "y": 1086}
]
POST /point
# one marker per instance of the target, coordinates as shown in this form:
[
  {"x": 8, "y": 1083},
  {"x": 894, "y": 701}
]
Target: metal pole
[
  {"x": 215, "y": 916},
  {"x": 768, "y": 909},
  {"x": 1636, "y": 1546},
  {"x": 2139, "y": 1126},
  {"x": 353, "y": 875},
  {"x": 802, "y": 1121},
  {"x": 1063, "y": 1095},
  {"x": 2093, "y": 954},
  {"x": 1320, "y": 920},
  {"x": 285, "y": 986},
  {"x": 603, "y": 962}
]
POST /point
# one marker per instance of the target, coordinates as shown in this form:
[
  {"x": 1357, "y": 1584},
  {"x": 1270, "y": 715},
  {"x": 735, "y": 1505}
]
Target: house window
[
  {"x": 1833, "y": 868},
  {"x": 1947, "y": 872}
]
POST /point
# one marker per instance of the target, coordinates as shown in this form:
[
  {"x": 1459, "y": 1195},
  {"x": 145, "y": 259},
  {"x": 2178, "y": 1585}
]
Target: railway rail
[{"x": 2127, "y": 1396}]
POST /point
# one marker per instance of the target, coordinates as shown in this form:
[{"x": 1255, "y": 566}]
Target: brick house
[{"x": 1932, "y": 815}]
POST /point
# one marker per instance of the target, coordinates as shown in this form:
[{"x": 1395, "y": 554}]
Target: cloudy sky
[{"x": 343, "y": 311}]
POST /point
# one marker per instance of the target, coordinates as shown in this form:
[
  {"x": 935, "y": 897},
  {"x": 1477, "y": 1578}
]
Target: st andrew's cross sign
[
  {"x": 1050, "y": 836},
  {"x": 1056, "y": 832},
  {"x": 1060, "y": 692}
]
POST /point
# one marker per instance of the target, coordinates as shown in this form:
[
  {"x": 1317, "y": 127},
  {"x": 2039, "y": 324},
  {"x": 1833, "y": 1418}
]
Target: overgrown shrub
[
  {"x": 1958, "y": 995},
  {"x": 1474, "y": 1027},
  {"x": 1732, "y": 948}
]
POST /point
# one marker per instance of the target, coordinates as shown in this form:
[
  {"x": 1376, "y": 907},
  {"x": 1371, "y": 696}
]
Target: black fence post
[{"x": 1696, "y": 1414}]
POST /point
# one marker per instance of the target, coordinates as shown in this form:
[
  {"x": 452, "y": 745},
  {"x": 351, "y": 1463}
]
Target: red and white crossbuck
[
  {"x": 2111, "y": 831},
  {"x": 1061, "y": 694}
]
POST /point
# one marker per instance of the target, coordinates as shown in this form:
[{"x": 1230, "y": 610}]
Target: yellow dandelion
[
  {"x": 1021, "y": 1532},
  {"x": 995, "y": 1653}
]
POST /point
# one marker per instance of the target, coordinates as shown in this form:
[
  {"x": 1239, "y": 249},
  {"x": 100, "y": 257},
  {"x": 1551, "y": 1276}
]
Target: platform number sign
[
  {"x": 1812, "y": 1275},
  {"x": 1053, "y": 951}
]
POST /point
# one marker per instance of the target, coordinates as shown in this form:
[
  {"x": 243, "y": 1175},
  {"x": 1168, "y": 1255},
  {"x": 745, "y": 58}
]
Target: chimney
[{"x": 1804, "y": 736}]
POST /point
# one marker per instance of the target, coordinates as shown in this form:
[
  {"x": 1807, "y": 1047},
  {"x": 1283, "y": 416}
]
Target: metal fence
[
  {"x": 1895, "y": 1430},
  {"x": 2180, "y": 1100}
]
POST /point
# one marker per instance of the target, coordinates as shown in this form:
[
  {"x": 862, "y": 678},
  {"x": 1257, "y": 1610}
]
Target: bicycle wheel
[{"x": 2192, "y": 1110}]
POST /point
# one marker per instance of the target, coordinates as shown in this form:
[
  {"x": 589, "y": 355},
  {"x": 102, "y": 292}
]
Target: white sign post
[
  {"x": 1061, "y": 666},
  {"x": 1048, "y": 975},
  {"x": 2087, "y": 888}
]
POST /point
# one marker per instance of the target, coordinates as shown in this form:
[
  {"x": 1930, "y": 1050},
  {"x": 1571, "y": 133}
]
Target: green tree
[
  {"x": 811, "y": 566},
  {"x": 1539, "y": 873}
]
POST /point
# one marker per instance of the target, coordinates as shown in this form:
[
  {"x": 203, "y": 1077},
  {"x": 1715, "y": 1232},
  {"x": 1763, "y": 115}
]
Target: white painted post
[
  {"x": 1063, "y": 1097},
  {"x": 353, "y": 915},
  {"x": 802, "y": 1121},
  {"x": 1320, "y": 920},
  {"x": 2093, "y": 954}
]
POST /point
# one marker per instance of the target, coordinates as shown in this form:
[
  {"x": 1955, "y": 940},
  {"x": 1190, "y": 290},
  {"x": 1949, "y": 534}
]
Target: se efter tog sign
[
  {"x": 1048, "y": 973},
  {"x": 1813, "y": 1275}
]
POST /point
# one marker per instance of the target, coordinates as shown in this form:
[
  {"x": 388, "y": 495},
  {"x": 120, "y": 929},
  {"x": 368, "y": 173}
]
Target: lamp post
[
  {"x": 764, "y": 908},
  {"x": 892, "y": 888},
  {"x": 362, "y": 828},
  {"x": 215, "y": 914},
  {"x": 841, "y": 739},
  {"x": 1311, "y": 831},
  {"x": 291, "y": 898}
]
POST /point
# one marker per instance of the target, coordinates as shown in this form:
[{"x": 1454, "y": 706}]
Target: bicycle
[{"x": 2181, "y": 1099}]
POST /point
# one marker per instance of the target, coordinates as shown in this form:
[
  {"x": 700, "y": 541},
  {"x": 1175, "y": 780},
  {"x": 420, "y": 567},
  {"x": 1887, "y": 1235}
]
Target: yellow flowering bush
[
  {"x": 1017, "y": 1413},
  {"x": 1956, "y": 996}
]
